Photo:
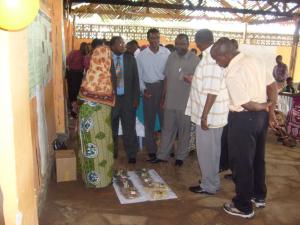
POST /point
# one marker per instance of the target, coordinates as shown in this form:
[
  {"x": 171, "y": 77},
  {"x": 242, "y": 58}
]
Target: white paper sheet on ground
[
  {"x": 156, "y": 178},
  {"x": 144, "y": 196},
  {"x": 123, "y": 200}
]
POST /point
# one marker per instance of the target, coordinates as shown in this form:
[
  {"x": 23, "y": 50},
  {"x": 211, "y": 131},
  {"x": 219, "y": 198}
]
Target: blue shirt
[{"x": 120, "y": 86}]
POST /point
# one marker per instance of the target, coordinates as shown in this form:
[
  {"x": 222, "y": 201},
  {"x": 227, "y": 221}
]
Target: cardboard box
[{"x": 65, "y": 165}]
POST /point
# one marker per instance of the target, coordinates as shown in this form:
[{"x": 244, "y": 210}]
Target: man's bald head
[{"x": 223, "y": 51}]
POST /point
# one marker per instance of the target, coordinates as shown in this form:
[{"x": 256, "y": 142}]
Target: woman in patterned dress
[{"x": 96, "y": 155}]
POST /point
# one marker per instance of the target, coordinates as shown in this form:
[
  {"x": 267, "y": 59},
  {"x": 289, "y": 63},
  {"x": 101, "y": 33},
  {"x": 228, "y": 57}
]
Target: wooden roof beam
[
  {"x": 187, "y": 7},
  {"x": 227, "y": 5},
  {"x": 153, "y": 15},
  {"x": 278, "y": 1},
  {"x": 264, "y": 7}
]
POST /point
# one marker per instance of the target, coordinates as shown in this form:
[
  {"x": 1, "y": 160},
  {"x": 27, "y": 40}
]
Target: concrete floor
[{"x": 70, "y": 203}]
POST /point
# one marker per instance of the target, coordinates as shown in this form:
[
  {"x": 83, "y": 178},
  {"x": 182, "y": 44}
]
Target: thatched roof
[{"x": 245, "y": 11}]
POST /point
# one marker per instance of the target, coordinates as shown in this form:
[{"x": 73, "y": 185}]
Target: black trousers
[
  {"x": 224, "y": 161},
  {"x": 74, "y": 79},
  {"x": 151, "y": 108},
  {"x": 127, "y": 114},
  {"x": 246, "y": 150}
]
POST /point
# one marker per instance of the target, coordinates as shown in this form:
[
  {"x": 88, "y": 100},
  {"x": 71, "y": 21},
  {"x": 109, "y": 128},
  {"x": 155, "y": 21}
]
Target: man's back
[{"x": 246, "y": 80}]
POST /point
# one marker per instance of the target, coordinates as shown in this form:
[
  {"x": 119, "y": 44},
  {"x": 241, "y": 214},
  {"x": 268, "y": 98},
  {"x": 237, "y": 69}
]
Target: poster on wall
[
  {"x": 39, "y": 52},
  {"x": 40, "y": 72}
]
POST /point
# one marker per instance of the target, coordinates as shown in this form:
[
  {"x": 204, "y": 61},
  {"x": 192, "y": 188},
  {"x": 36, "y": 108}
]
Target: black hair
[
  {"x": 289, "y": 79},
  {"x": 133, "y": 42},
  {"x": 114, "y": 39},
  {"x": 96, "y": 42},
  {"x": 170, "y": 47},
  {"x": 183, "y": 36},
  {"x": 151, "y": 31},
  {"x": 204, "y": 36}
]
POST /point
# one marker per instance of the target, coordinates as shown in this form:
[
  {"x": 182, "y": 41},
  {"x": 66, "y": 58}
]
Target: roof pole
[
  {"x": 294, "y": 47},
  {"x": 73, "y": 33},
  {"x": 245, "y": 33}
]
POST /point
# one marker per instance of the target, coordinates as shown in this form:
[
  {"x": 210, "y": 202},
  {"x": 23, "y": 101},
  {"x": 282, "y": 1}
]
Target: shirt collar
[
  {"x": 160, "y": 50},
  {"x": 235, "y": 60},
  {"x": 115, "y": 56},
  {"x": 185, "y": 56},
  {"x": 206, "y": 51}
]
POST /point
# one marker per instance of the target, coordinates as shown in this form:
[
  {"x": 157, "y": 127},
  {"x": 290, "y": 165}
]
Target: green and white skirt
[{"x": 96, "y": 155}]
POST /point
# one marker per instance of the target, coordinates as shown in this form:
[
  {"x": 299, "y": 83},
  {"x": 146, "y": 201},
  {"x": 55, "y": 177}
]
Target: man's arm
[
  {"x": 210, "y": 99},
  {"x": 140, "y": 72},
  {"x": 136, "y": 83},
  {"x": 255, "y": 106}
]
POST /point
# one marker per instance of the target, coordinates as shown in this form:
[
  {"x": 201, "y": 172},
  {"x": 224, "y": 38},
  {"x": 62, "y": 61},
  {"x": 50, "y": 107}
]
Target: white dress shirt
[{"x": 151, "y": 65}]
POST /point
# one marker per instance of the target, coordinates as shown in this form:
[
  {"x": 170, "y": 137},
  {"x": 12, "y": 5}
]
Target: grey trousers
[
  {"x": 151, "y": 108},
  {"x": 175, "y": 121},
  {"x": 208, "y": 143}
]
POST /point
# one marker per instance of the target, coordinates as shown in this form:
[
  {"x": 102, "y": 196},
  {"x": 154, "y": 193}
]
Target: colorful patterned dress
[
  {"x": 95, "y": 120},
  {"x": 293, "y": 119},
  {"x": 96, "y": 144}
]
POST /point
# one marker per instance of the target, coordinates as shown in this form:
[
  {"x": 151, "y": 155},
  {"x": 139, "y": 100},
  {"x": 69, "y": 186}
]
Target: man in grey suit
[{"x": 127, "y": 93}]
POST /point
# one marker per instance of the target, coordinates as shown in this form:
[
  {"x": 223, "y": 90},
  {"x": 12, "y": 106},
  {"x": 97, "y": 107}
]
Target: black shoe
[
  {"x": 155, "y": 161},
  {"x": 132, "y": 161},
  {"x": 230, "y": 208},
  {"x": 152, "y": 156},
  {"x": 259, "y": 203},
  {"x": 199, "y": 190},
  {"x": 178, "y": 162},
  {"x": 228, "y": 176},
  {"x": 74, "y": 114},
  {"x": 172, "y": 155}
]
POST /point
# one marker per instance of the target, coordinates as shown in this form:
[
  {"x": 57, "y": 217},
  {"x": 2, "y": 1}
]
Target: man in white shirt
[
  {"x": 208, "y": 108},
  {"x": 151, "y": 64},
  {"x": 250, "y": 85}
]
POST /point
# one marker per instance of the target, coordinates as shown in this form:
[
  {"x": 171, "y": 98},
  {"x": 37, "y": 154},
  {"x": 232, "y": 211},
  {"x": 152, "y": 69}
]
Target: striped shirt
[{"x": 208, "y": 79}]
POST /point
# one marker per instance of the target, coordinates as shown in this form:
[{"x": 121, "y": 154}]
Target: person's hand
[
  {"x": 75, "y": 107},
  {"x": 162, "y": 102},
  {"x": 266, "y": 106},
  {"x": 135, "y": 103},
  {"x": 188, "y": 78},
  {"x": 147, "y": 94},
  {"x": 204, "y": 125},
  {"x": 272, "y": 120}
]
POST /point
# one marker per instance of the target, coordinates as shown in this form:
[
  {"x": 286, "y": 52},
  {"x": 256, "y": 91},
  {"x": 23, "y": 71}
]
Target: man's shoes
[
  {"x": 74, "y": 114},
  {"x": 199, "y": 190},
  {"x": 178, "y": 162},
  {"x": 156, "y": 160},
  {"x": 172, "y": 154},
  {"x": 259, "y": 203},
  {"x": 230, "y": 208},
  {"x": 228, "y": 176},
  {"x": 152, "y": 156},
  {"x": 132, "y": 161}
]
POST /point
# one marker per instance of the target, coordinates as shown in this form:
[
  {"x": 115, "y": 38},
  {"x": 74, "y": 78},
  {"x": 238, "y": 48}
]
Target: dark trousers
[
  {"x": 151, "y": 108},
  {"x": 127, "y": 114},
  {"x": 224, "y": 162},
  {"x": 74, "y": 79},
  {"x": 246, "y": 144}
]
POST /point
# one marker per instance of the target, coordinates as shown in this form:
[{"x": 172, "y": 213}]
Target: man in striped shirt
[{"x": 208, "y": 108}]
